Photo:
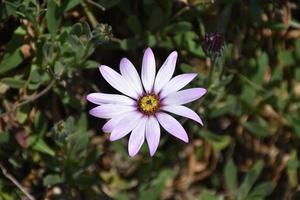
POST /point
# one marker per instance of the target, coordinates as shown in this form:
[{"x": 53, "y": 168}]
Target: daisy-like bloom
[{"x": 145, "y": 102}]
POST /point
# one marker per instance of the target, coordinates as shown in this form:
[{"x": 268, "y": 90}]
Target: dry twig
[
  {"x": 15, "y": 182},
  {"x": 29, "y": 99}
]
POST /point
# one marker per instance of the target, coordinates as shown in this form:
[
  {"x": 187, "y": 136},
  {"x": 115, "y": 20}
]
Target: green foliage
[
  {"x": 10, "y": 61},
  {"x": 248, "y": 189},
  {"x": 230, "y": 175},
  {"x": 53, "y": 17},
  {"x": 248, "y": 148}
]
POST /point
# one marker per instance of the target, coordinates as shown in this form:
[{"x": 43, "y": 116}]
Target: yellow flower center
[{"x": 149, "y": 104}]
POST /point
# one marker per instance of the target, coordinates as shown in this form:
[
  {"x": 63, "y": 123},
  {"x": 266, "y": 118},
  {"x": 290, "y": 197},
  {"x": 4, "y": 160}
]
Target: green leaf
[
  {"x": 208, "y": 195},
  {"x": 293, "y": 165},
  {"x": 90, "y": 64},
  {"x": 157, "y": 185},
  {"x": 179, "y": 28},
  {"x": 276, "y": 25},
  {"x": 219, "y": 142},
  {"x": 297, "y": 49},
  {"x": 40, "y": 125},
  {"x": 74, "y": 41},
  {"x": 262, "y": 64},
  {"x": 22, "y": 115},
  {"x": 129, "y": 44},
  {"x": 38, "y": 144},
  {"x": 16, "y": 40},
  {"x": 82, "y": 123},
  {"x": 76, "y": 46},
  {"x": 48, "y": 52},
  {"x": 69, "y": 4},
  {"x": 13, "y": 82},
  {"x": 121, "y": 196},
  {"x": 4, "y": 194},
  {"x": 230, "y": 174},
  {"x": 87, "y": 30},
  {"x": 76, "y": 29},
  {"x": 52, "y": 179},
  {"x": 297, "y": 74},
  {"x": 59, "y": 68},
  {"x": 53, "y": 17},
  {"x": 262, "y": 190},
  {"x": 230, "y": 106},
  {"x": 249, "y": 180},
  {"x": 4, "y": 137},
  {"x": 156, "y": 19},
  {"x": 134, "y": 24},
  {"x": 287, "y": 58},
  {"x": 79, "y": 142},
  {"x": 259, "y": 127},
  {"x": 294, "y": 122},
  {"x": 186, "y": 68},
  {"x": 11, "y": 61},
  {"x": 248, "y": 94},
  {"x": 150, "y": 39}
]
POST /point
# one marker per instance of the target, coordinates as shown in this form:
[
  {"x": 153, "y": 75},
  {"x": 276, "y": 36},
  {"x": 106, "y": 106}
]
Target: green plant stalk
[
  {"x": 212, "y": 69},
  {"x": 89, "y": 14}
]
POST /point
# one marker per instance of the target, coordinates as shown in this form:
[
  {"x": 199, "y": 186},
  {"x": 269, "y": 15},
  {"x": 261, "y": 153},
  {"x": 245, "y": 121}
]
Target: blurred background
[{"x": 246, "y": 52}]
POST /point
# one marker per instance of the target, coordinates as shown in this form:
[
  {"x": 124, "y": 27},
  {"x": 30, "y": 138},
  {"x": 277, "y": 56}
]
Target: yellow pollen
[{"x": 149, "y": 104}]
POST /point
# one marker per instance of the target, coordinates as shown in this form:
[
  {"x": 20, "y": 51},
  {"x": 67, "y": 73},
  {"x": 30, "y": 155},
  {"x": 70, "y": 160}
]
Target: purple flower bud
[{"x": 214, "y": 44}]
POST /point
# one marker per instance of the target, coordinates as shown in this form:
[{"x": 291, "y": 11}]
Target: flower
[
  {"x": 214, "y": 44},
  {"x": 146, "y": 102}
]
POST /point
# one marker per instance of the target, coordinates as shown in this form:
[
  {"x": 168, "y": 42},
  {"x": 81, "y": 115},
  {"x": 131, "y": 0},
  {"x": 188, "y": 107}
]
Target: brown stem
[
  {"x": 15, "y": 182},
  {"x": 29, "y": 99}
]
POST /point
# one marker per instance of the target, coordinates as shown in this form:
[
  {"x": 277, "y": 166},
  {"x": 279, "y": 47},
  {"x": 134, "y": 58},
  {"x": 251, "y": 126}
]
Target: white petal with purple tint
[
  {"x": 129, "y": 72},
  {"x": 137, "y": 137},
  {"x": 148, "y": 70},
  {"x": 172, "y": 126},
  {"x": 184, "y": 112},
  {"x": 184, "y": 96},
  {"x": 165, "y": 73},
  {"x": 107, "y": 111},
  {"x": 102, "y": 98},
  {"x": 117, "y": 81},
  {"x": 125, "y": 126},
  {"x": 177, "y": 83},
  {"x": 152, "y": 134},
  {"x": 113, "y": 122}
]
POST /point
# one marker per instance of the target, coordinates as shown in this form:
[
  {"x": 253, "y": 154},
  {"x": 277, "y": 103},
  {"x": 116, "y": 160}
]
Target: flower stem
[
  {"x": 89, "y": 14},
  {"x": 212, "y": 69}
]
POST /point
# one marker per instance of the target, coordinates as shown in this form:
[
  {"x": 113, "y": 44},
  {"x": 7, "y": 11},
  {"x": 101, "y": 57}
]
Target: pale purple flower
[{"x": 146, "y": 102}]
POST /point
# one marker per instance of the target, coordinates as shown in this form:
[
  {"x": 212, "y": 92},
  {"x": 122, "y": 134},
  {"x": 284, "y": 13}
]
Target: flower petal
[
  {"x": 129, "y": 72},
  {"x": 117, "y": 81},
  {"x": 152, "y": 134},
  {"x": 171, "y": 125},
  {"x": 165, "y": 73},
  {"x": 177, "y": 83},
  {"x": 107, "y": 111},
  {"x": 125, "y": 126},
  {"x": 148, "y": 70},
  {"x": 183, "y": 111},
  {"x": 113, "y": 122},
  {"x": 184, "y": 96},
  {"x": 137, "y": 138},
  {"x": 103, "y": 98}
]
